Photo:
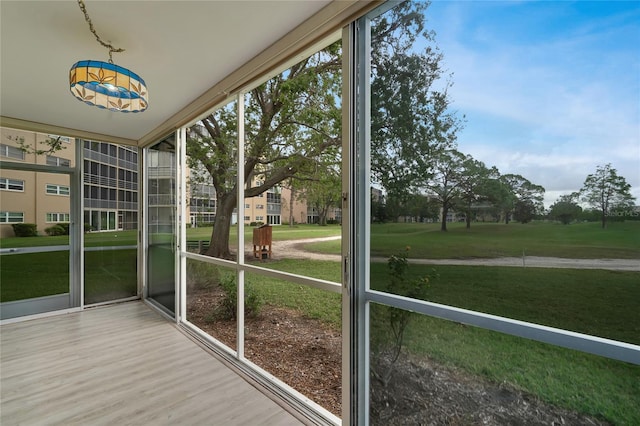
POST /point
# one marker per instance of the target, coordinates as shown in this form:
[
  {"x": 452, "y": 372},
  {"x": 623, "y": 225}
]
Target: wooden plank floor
[{"x": 121, "y": 365}]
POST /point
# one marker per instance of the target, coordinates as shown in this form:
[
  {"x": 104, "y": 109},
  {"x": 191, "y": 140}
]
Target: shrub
[
  {"x": 65, "y": 226},
  {"x": 56, "y": 230},
  {"x": 396, "y": 319},
  {"x": 228, "y": 308},
  {"x": 25, "y": 229},
  {"x": 87, "y": 228}
]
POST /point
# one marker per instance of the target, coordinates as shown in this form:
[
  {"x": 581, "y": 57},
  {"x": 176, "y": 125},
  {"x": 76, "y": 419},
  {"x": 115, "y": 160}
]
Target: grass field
[
  {"x": 109, "y": 275},
  {"x": 597, "y": 302},
  {"x": 621, "y": 240},
  {"x": 119, "y": 238}
]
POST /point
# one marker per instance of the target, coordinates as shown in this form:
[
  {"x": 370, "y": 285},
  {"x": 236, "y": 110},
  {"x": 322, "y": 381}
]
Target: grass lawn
[
  {"x": 621, "y": 240},
  {"x": 23, "y": 276},
  {"x": 597, "y": 302},
  {"x": 119, "y": 238},
  {"x": 109, "y": 275},
  {"x": 586, "y": 383},
  {"x": 315, "y": 303},
  {"x": 280, "y": 233}
]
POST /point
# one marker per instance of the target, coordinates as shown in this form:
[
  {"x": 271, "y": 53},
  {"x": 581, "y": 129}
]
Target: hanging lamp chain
[{"x": 109, "y": 46}]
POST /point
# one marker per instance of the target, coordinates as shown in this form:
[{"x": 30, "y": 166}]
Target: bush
[
  {"x": 396, "y": 319},
  {"x": 87, "y": 227},
  {"x": 228, "y": 308},
  {"x": 65, "y": 226},
  {"x": 56, "y": 230},
  {"x": 25, "y": 229}
]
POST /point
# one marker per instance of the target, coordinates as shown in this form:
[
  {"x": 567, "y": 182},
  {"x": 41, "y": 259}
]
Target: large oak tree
[{"x": 290, "y": 122}]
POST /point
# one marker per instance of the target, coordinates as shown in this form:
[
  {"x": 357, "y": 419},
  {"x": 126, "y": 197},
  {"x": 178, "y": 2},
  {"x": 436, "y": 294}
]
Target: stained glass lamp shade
[{"x": 108, "y": 86}]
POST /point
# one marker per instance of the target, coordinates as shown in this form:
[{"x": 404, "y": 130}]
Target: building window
[
  {"x": 247, "y": 218},
  {"x": 260, "y": 218},
  {"x": 11, "y": 217},
  {"x": 11, "y": 152},
  {"x": 57, "y": 217},
  {"x": 247, "y": 206},
  {"x": 11, "y": 184},
  {"x": 57, "y": 189},
  {"x": 64, "y": 139},
  {"x": 57, "y": 161},
  {"x": 259, "y": 206},
  {"x": 273, "y": 198},
  {"x": 273, "y": 219}
]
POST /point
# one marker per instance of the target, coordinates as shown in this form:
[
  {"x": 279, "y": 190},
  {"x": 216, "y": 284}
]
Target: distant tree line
[{"x": 475, "y": 192}]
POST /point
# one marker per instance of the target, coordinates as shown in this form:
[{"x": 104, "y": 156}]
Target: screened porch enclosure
[{"x": 163, "y": 312}]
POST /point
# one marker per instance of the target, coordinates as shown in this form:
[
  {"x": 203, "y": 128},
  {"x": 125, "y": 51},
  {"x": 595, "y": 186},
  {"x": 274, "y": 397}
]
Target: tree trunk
[
  {"x": 604, "y": 219},
  {"x": 468, "y": 218},
  {"x": 219, "y": 245},
  {"x": 445, "y": 211},
  {"x": 291, "y": 218},
  {"x": 322, "y": 218}
]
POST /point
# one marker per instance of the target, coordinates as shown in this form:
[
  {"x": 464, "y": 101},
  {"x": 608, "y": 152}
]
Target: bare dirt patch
[
  {"x": 306, "y": 354},
  {"x": 422, "y": 392}
]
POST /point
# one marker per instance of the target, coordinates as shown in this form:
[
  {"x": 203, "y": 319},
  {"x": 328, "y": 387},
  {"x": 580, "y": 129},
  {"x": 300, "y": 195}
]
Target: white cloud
[{"x": 548, "y": 109}]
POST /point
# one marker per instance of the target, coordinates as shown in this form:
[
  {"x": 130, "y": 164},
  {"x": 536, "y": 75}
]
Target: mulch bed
[
  {"x": 306, "y": 354},
  {"x": 302, "y": 352}
]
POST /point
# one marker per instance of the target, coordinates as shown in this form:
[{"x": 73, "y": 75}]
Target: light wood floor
[{"x": 121, "y": 365}]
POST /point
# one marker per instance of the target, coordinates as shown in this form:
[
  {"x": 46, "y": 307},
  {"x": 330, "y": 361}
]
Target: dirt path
[{"x": 295, "y": 249}]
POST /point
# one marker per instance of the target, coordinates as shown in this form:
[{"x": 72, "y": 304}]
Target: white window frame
[
  {"x": 10, "y": 151},
  {"x": 55, "y": 189},
  {"x": 57, "y": 217},
  {"x": 5, "y": 184},
  {"x": 5, "y": 217},
  {"x": 52, "y": 160}
]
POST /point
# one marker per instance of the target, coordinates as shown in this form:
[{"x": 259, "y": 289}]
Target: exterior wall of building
[
  {"x": 110, "y": 187},
  {"x": 299, "y": 208},
  {"x": 44, "y": 198},
  {"x": 271, "y": 207}
]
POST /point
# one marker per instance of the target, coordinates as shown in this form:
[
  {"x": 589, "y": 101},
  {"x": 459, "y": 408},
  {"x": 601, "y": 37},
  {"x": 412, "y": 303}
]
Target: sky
[{"x": 550, "y": 89}]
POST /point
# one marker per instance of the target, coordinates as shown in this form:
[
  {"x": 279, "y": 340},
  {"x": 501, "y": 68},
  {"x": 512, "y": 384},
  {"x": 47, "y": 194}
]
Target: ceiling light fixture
[{"x": 104, "y": 84}]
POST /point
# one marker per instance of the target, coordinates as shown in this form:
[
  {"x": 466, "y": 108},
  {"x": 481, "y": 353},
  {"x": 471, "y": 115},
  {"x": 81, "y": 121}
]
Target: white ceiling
[{"x": 180, "y": 49}]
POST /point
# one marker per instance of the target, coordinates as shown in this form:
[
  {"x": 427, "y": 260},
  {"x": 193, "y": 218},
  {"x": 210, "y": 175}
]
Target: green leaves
[
  {"x": 605, "y": 190},
  {"x": 411, "y": 119}
]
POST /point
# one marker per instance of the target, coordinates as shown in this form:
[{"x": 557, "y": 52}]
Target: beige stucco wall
[{"x": 33, "y": 201}]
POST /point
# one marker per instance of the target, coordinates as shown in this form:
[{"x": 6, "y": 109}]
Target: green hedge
[{"x": 25, "y": 229}]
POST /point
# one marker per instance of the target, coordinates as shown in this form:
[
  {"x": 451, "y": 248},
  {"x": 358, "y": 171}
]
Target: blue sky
[{"x": 550, "y": 89}]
